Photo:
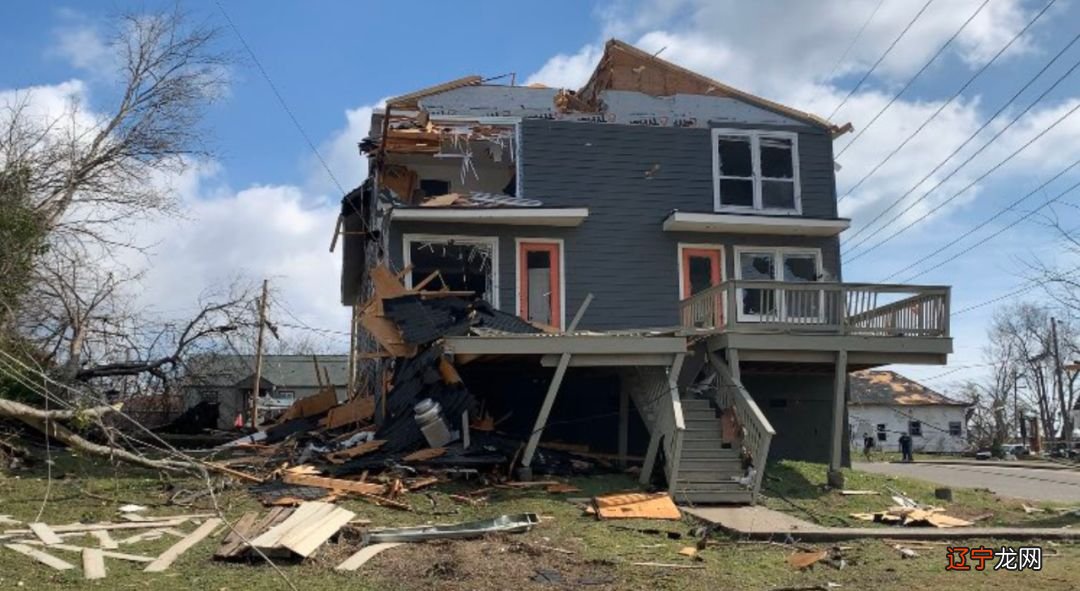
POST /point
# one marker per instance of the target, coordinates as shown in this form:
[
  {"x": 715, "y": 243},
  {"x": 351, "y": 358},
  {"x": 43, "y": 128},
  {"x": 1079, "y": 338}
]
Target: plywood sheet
[{"x": 637, "y": 505}]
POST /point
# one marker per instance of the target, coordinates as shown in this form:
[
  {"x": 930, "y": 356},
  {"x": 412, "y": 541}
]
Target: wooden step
[
  {"x": 690, "y": 444},
  {"x": 702, "y": 435},
  {"x": 696, "y": 404},
  {"x": 707, "y": 486},
  {"x": 725, "y": 465},
  {"x": 715, "y": 498}
]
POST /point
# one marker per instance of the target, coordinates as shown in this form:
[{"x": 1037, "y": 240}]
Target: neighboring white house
[{"x": 885, "y": 405}]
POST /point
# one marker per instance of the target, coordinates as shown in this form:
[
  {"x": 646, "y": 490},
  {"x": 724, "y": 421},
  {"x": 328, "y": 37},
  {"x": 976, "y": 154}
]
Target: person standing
[
  {"x": 905, "y": 448},
  {"x": 868, "y": 445}
]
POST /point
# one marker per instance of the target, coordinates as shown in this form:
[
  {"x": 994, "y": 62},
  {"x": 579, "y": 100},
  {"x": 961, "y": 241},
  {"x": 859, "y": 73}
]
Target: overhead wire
[
  {"x": 970, "y": 158},
  {"x": 912, "y": 80},
  {"x": 887, "y": 51},
  {"x": 948, "y": 102},
  {"x": 1002, "y": 211}
]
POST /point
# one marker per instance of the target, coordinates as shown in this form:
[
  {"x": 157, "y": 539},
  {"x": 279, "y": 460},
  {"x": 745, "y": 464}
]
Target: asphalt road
[{"x": 1021, "y": 483}]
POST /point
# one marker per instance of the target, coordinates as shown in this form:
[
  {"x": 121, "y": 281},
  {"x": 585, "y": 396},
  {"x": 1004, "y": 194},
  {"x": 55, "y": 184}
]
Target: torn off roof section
[{"x": 892, "y": 389}]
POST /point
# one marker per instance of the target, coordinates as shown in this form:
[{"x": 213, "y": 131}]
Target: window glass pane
[
  {"x": 737, "y": 192},
  {"x": 776, "y": 161},
  {"x": 955, "y": 429},
  {"x": 800, "y": 267},
  {"x": 734, "y": 156},
  {"x": 758, "y": 266},
  {"x": 777, "y": 194}
]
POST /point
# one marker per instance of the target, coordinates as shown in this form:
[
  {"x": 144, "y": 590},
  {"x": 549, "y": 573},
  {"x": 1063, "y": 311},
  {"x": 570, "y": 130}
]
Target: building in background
[
  {"x": 886, "y": 405},
  {"x": 226, "y": 381}
]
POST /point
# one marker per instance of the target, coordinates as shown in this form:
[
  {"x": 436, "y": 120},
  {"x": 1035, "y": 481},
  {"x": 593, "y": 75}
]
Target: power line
[
  {"x": 963, "y": 164},
  {"x": 997, "y": 215},
  {"x": 280, "y": 98},
  {"x": 956, "y": 151},
  {"x": 858, "y": 35},
  {"x": 911, "y": 81},
  {"x": 1002, "y": 230},
  {"x": 882, "y": 58},
  {"x": 945, "y": 104}
]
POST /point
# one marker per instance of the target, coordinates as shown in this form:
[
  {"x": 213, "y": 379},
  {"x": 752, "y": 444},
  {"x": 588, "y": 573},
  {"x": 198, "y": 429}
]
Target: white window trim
[
  {"x": 683, "y": 246},
  {"x": 493, "y": 241},
  {"x": 778, "y": 253},
  {"x": 562, "y": 275},
  {"x": 755, "y": 136}
]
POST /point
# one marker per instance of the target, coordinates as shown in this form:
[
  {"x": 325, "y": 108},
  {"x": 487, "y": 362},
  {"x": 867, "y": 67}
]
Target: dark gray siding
[
  {"x": 799, "y": 407},
  {"x": 630, "y": 178}
]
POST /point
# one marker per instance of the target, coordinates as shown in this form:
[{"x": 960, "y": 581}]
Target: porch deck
[{"x": 878, "y": 323}]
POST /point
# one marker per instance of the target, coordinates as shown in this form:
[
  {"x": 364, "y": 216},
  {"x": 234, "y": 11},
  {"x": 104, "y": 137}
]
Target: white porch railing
[
  {"x": 757, "y": 432},
  {"x": 859, "y": 309}
]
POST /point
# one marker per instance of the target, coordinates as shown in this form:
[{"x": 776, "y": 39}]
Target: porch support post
[
  {"x": 839, "y": 386},
  {"x": 624, "y": 425},
  {"x": 545, "y": 410},
  {"x": 650, "y": 454}
]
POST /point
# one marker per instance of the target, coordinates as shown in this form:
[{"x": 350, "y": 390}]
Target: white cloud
[
  {"x": 342, "y": 153},
  {"x": 568, "y": 71}
]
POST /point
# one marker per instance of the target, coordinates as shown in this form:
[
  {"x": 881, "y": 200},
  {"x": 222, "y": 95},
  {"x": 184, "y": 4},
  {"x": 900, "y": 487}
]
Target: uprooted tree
[{"x": 70, "y": 184}]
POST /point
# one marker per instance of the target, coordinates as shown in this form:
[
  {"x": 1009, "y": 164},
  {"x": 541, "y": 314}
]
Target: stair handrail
[
  {"x": 678, "y": 421},
  {"x": 757, "y": 431}
]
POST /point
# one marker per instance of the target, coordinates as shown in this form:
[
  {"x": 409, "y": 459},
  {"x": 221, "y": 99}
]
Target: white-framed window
[
  {"x": 464, "y": 263},
  {"x": 789, "y": 265},
  {"x": 756, "y": 170}
]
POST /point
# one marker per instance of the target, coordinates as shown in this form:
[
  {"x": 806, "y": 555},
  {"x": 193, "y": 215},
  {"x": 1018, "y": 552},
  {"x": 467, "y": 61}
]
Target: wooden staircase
[{"x": 707, "y": 468}]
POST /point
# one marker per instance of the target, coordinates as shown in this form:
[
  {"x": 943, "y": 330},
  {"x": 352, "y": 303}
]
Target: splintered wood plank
[
  {"x": 305, "y": 544},
  {"x": 153, "y": 534},
  {"x": 334, "y": 484},
  {"x": 88, "y": 527},
  {"x": 167, "y": 557},
  {"x": 105, "y": 540},
  {"x": 365, "y": 554},
  {"x": 105, "y": 553},
  {"x": 45, "y": 533},
  {"x": 234, "y": 540},
  {"x": 271, "y": 537},
  {"x": 42, "y": 557},
  {"x": 93, "y": 563},
  {"x": 302, "y": 528}
]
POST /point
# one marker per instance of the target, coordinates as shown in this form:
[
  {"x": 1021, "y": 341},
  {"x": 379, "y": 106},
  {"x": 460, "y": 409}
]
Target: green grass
[
  {"x": 798, "y": 488},
  {"x": 498, "y": 562}
]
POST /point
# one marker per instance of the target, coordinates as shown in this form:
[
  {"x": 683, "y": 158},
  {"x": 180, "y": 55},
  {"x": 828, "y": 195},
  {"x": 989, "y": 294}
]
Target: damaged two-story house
[{"x": 676, "y": 238}]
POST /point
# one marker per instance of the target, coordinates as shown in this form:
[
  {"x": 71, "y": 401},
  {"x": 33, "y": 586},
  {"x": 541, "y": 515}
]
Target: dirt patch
[{"x": 492, "y": 563}]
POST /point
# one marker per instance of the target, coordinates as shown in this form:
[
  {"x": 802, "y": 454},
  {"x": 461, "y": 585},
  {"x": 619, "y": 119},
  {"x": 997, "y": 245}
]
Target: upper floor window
[{"x": 754, "y": 169}]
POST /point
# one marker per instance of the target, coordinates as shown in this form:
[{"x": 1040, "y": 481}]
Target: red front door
[{"x": 702, "y": 268}]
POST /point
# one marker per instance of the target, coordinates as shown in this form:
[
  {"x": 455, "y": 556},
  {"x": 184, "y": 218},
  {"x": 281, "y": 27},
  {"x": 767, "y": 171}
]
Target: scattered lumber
[
  {"x": 636, "y": 505},
  {"x": 334, "y": 483},
  {"x": 805, "y": 560},
  {"x": 42, "y": 557},
  {"x": 910, "y": 516},
  {"x": 424, "y": 454},
  {"x": 105, "y": 553},
  {"x": 248, "y": 528},
  {"x": 93, "y": 562},
  {"x": 44, "y": 533},
  {"x": 305, "y": 529},
  {"x": 105, "y": 539},
  {"x": 167, "y": 557},
  {"x": 365, "y": 554},
  {"x": 89, "y": 527}
]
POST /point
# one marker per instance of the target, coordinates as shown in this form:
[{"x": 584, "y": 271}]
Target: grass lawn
[
  {"x": 601, "y": 550},
  {"x": 797, "y": 488}
]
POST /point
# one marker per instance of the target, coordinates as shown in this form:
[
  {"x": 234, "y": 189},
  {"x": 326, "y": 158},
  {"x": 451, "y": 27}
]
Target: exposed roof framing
[
  {"x": 625, "y": 67},
  {"x": 411, "y": 100}
]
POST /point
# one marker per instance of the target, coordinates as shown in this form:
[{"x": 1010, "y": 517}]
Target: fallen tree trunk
[{"x": 47, "y": 421}]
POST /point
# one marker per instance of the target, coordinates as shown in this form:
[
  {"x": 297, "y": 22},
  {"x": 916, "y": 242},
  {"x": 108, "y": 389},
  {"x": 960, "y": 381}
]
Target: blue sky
[{"x": 263, "y": 207}]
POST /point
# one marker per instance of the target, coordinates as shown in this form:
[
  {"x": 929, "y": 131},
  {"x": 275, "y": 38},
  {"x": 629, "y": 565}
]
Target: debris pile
[{"x": 908, "y": 512}]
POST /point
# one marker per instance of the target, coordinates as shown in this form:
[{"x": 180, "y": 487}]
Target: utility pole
[
  {"x": 258, "y": 357},
  {"x": 1065, "y": 427},
  {"x": 1016, "y": 406}
]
